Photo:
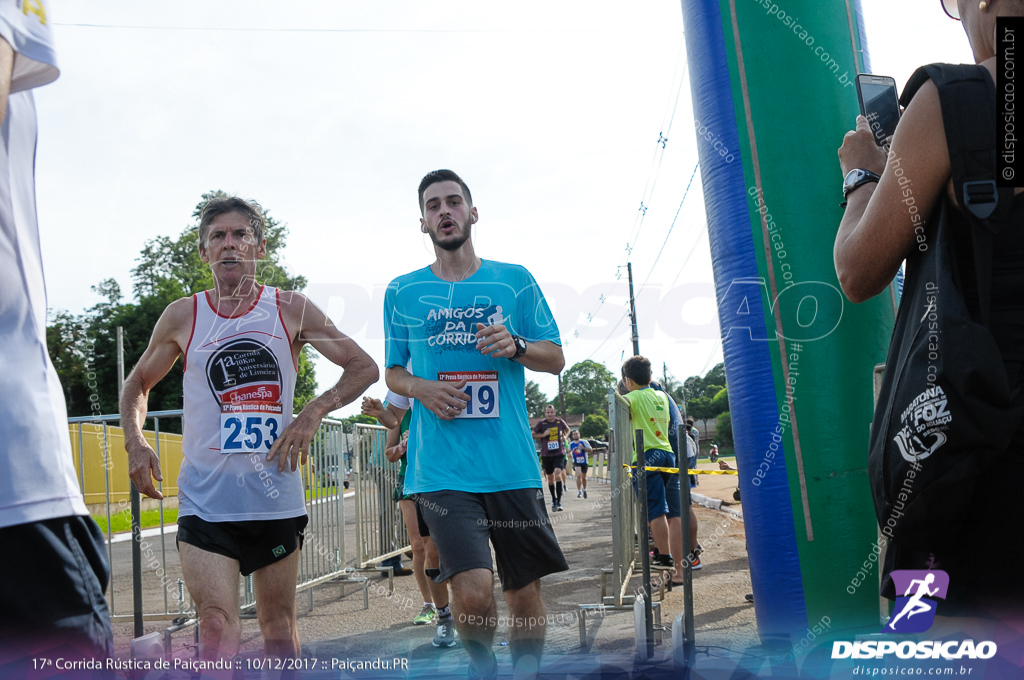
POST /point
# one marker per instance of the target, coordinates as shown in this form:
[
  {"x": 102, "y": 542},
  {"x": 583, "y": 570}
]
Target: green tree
[
  {"x": 595, "y": 426},
  {"x": 720, "y": 402},
  {"x": 66, "y": 342},
  {"x": 535, "y": 400},
  {"x": 696, "y": 386},
  {"x": 673, "y": 387},
  {"x": 586, "y": 386},
  {"x": 173, "y": 266},
  {"x": 716, "y": 376},
  {"x": 167, "y": 269},
  {"x": 349, "y": 424},
  {"x": 702, "y": 410},
  {"x": 305, "y": 380},
  {"x": 724, "y": 436}
]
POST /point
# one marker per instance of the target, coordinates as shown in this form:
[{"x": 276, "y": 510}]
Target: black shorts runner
[
  {"x": 552, "y": 462},
  {"x": 52, "y": 601},
  {"x": 515, "y": 522},
  {"x": 424, "y": 529},
  {"x": 583, "y": 466},
  {"x": 255, "y": 544}
]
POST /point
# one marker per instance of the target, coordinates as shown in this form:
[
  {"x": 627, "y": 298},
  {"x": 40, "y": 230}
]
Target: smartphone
[{"x": 879, "y": 104}]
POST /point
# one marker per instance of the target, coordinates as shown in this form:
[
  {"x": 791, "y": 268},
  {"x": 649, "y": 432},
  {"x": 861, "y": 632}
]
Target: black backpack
[{"x": 946, "y": 408}]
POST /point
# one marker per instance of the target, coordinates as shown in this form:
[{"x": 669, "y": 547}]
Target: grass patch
[
  {"x": 122, "y": 521},
  {"x": 324, "y": 491}
]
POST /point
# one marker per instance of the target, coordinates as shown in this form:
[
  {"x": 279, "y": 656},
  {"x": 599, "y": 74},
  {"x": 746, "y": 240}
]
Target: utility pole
[
  {"x": 632, "y": 311},
  {"x": 561, "y": 396}
]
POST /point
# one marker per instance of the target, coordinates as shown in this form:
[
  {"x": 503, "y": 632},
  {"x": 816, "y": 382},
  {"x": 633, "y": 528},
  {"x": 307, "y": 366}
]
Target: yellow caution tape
[{"x": 673, "y": 471}]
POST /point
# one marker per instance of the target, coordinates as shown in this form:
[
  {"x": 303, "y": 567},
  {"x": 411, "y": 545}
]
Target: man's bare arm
[
  {"x": 389, "y": 416},
  {"x": 396, "y": 445},
  {"x": 315, "y": 328},
  {"x": 164, "y": 349}
]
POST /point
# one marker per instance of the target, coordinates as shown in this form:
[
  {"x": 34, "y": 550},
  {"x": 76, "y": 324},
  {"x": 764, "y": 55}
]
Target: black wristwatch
[
  {"x": 520, "y": 346},
  {"x": 856, "y": 178}
]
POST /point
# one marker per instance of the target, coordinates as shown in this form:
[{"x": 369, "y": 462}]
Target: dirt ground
[{"x": 339, "y": 632}]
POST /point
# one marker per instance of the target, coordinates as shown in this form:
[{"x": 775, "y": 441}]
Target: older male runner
[
  {"x": 241, "y": 504},
  {"x": 470, "y": 326}
]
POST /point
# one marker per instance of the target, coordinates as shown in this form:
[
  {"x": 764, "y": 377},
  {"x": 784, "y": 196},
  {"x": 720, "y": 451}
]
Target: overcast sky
[{"x": 329, "y": 113}]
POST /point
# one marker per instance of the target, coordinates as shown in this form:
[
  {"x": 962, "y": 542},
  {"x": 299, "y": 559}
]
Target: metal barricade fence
[
  {"x": 624, "y": 517},
  {"x": 599, "y": 468},
  {"x": 322, "y": 557},
  {"x": 97, "y": 443},
  {"x": 323, "y": 550},
  {"x": 624, "y": 528},
  {"x": 163, "y": 591},
  {"x": 380, "y": 529}
]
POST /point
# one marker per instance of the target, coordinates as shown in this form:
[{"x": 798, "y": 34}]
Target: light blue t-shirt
[{"x": 433, "y": 323}]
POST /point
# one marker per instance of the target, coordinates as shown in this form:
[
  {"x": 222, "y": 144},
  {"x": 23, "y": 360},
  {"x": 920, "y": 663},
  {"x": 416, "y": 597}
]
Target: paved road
[{"x": 337, "y": 627}]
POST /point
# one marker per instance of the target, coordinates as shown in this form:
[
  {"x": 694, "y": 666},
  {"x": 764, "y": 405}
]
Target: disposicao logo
[{"x": 914, "y": 612}]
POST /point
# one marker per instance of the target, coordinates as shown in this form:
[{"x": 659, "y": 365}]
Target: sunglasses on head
[{"x": 951, "y": 9}]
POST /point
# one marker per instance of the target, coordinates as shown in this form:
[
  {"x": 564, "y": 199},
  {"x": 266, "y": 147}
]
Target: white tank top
[{"x": 239, "y": 384}]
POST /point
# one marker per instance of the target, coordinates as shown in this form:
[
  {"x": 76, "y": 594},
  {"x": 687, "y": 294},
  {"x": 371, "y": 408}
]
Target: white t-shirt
[{"x": 37, "y": 474}]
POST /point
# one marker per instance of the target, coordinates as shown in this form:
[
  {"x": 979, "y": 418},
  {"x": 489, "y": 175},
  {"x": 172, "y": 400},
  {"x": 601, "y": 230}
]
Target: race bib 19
[
  {"x": 249, "y": 427},
  {"x": 482, "y": 390}
]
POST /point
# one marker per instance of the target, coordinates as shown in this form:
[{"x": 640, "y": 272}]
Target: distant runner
[
  {"x": 550, "y": 433},
  {"x": 581, "y": 450}
]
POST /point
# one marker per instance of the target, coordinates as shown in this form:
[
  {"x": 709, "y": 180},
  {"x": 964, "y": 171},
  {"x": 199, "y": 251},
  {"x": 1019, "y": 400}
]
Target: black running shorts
[
  {"x": 552, "y": 462},
  {"x": 255, "y": 544}
]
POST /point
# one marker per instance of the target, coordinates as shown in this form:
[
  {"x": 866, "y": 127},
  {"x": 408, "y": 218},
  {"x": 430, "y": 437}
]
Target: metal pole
[
  {"x": 689, "y": 644},
  {"x": 136, "y": 509},
  {"x": 645, "y": 547},
  {"x": 632, "y": 311}
]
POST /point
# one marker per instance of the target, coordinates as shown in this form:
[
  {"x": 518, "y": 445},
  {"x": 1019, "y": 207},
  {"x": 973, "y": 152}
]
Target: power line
[
  {"x": 714, "y": 350},
  {"x": 603, "y": 299},
  {"x": 614, "y": 328},
  {"x": 659, "y": 154},
  {"x": 258, "y": 29},
  {"x": 670, "y": 228}
]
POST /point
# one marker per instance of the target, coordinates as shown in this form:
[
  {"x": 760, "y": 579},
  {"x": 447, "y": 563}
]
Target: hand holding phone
[{"x": 879, "y": 104}]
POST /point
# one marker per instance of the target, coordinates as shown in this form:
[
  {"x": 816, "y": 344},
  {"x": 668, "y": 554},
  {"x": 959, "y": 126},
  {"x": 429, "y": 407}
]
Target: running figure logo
[{"x": 914, "y": 612}]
